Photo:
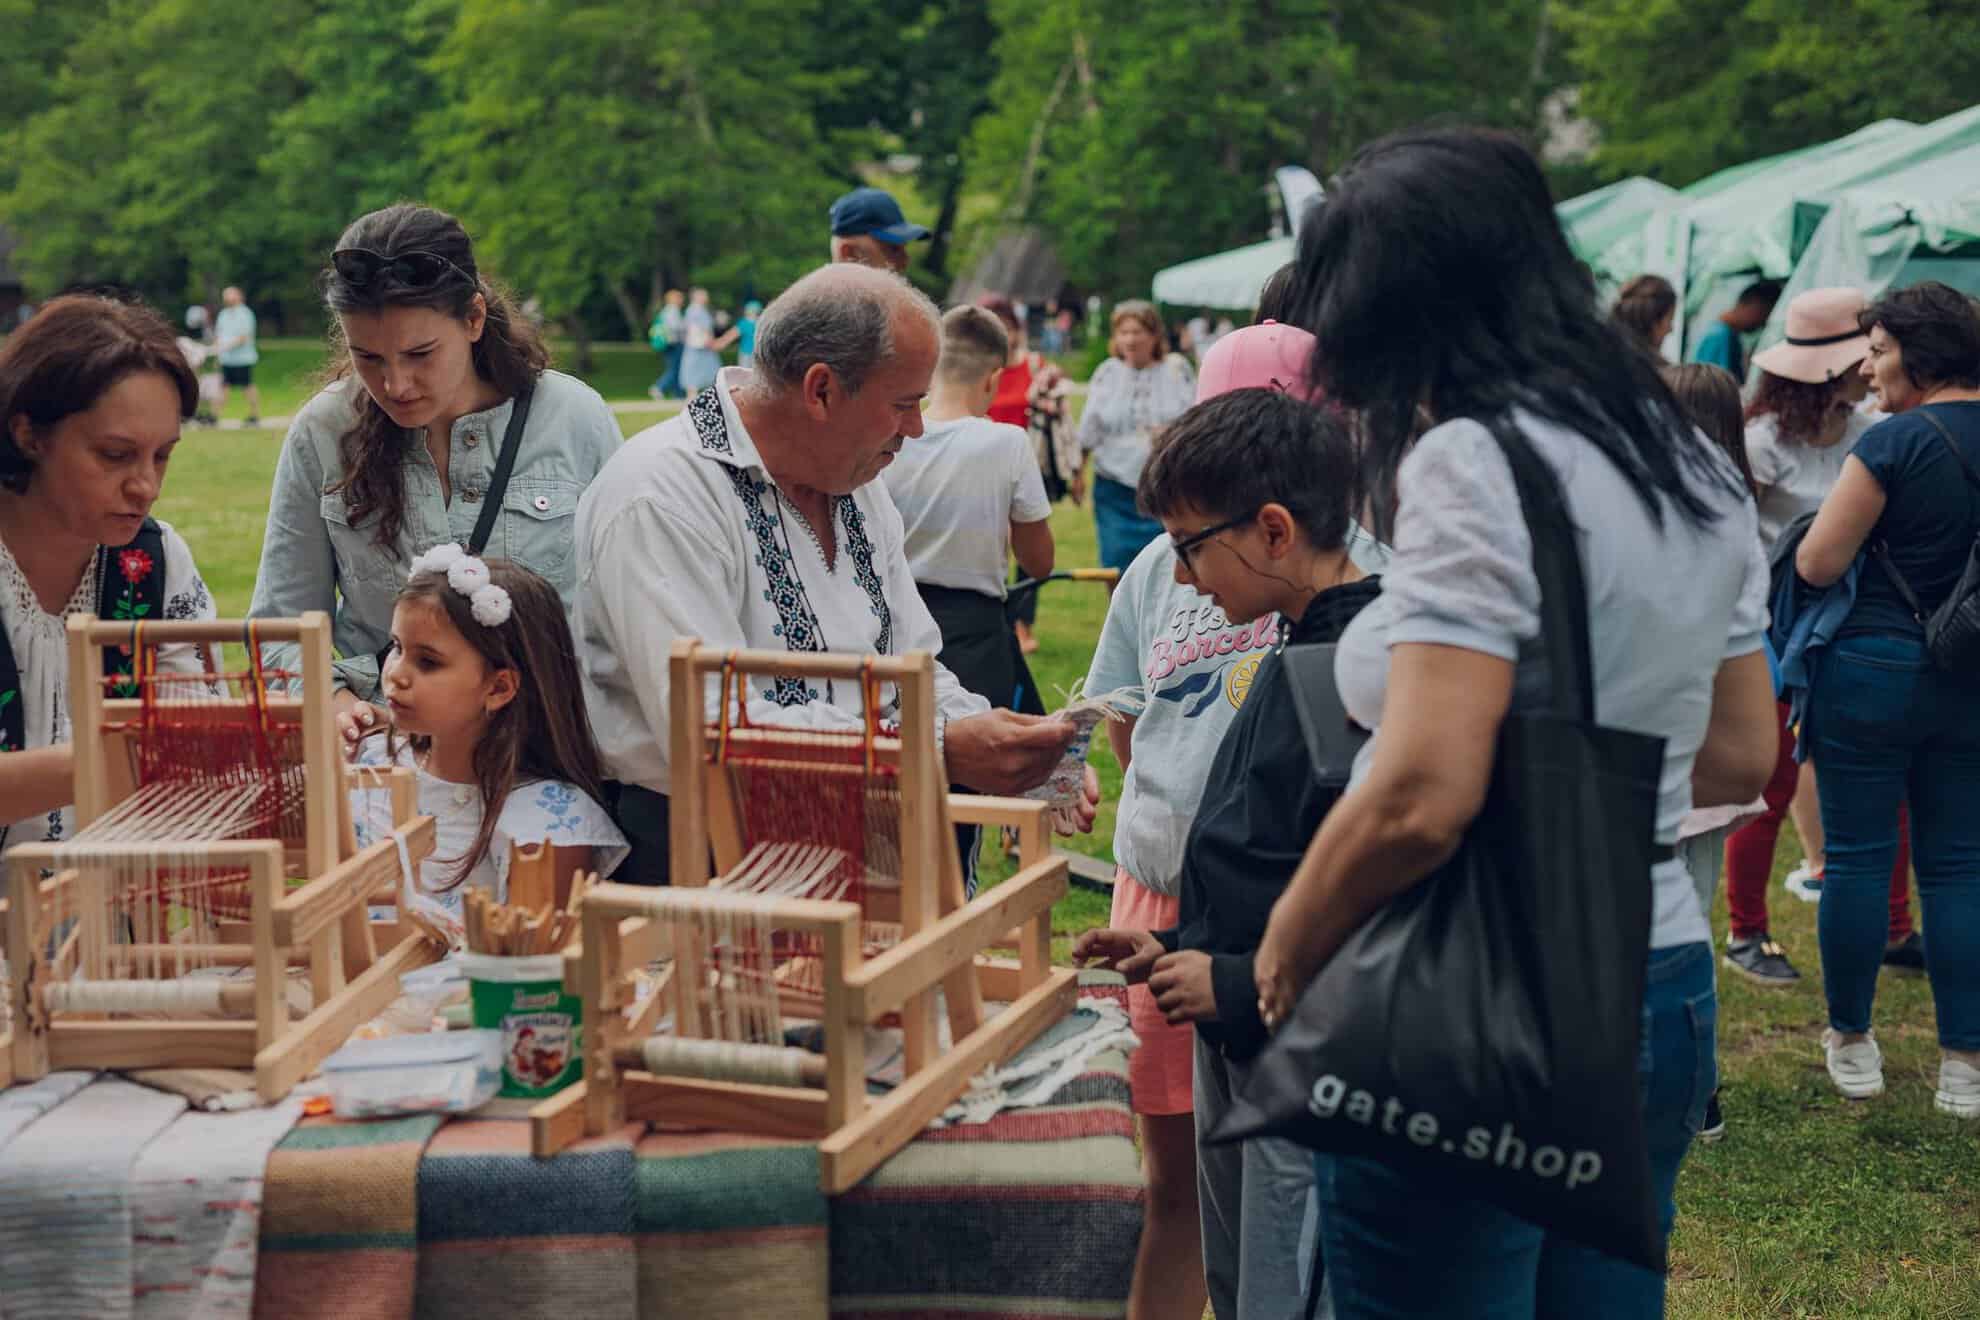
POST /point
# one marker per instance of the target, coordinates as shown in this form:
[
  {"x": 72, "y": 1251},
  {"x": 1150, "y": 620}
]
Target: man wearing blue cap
[{"x": 869, "y": 230}]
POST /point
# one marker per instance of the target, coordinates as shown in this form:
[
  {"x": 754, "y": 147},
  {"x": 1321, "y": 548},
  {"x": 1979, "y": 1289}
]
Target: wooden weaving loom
[
  {"x": 836, "y": 897},
  {"x": 198, "y": 797}
]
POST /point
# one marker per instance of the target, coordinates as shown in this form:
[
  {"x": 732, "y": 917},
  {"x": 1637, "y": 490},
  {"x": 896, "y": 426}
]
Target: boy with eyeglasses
[{"x": 1255, "y": 489}]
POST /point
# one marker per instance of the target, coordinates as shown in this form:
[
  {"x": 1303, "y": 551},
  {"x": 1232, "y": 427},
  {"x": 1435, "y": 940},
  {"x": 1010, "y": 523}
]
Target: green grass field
[
  {"x": 290, "y": 371},
  {"x": 1811, "y": 1207}
]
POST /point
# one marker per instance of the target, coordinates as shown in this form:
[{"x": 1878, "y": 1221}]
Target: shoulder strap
[
  {"x": 1557, "y": 565},
  {"x": 1972, "y": 477},
  {"x": 505, "y": 463}
]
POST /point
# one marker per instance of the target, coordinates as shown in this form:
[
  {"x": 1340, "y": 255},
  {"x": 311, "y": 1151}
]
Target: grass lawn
[{"x": 1811, "y": 1207}]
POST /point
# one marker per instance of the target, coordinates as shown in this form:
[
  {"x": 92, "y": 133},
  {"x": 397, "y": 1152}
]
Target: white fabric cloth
[
  {"x": 65, "y": 1203},
  {"x": 1462, "y": 576},
  {"x": 1044, "y": 1068},
  {"x": 41, "y": 654},
  {"x": 1795, "y": 479},
  {"x": 959, "y": 486},
  {"x": 685, "y": 534},
  {"x": 542, "y": 811},
  {"x": 1124, "y": 409},
  {"x": 197, "y": 1192}
]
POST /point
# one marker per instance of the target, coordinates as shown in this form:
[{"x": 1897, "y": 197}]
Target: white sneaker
[
  {"x": 1804, "y": 882},
  {"x": 1959, "y": 1089},
  {"x": 1858, "y": 1069}
]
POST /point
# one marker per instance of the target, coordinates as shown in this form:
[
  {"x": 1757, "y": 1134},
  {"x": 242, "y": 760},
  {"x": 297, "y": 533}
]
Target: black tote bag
[{"x": 1484, "y": 1026}]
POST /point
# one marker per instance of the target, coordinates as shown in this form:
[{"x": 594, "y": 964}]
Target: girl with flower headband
[{"x": 483, "y": 687}]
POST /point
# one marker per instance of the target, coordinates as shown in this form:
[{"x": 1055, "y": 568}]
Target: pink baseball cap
[{"x": 1267, "y": 355}]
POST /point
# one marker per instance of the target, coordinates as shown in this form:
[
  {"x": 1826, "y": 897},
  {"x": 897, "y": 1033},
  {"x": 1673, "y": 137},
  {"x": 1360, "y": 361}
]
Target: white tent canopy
[{"x": 1229, "y": 281}]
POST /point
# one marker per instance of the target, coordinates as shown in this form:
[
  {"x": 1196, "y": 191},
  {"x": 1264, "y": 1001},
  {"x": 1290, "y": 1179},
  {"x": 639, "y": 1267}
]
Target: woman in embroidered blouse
[
  {"x": 1133, "y": 394},
  {"x": 92, "y": 395},
  {"x": 399, "y": 453}
]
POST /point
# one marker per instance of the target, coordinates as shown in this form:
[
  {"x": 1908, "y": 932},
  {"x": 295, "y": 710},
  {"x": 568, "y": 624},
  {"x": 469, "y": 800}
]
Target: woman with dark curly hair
[
  {"x": 92, "y": 395},
  {"x": 1885, "y": 724},
  {"x": 416, "y": 437}
]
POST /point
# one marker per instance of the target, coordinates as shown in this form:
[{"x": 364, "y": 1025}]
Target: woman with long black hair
[
  {"x": 1447, "y": 310},
  {"x": 444, "y": 424}
]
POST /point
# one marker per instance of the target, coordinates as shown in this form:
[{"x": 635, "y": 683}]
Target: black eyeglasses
[
  {"x": 1185, "y": 546},
  {"x": 418, "y": 269}
]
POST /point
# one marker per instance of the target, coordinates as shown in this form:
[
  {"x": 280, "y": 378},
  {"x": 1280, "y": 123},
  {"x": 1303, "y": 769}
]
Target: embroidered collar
[{"x": 723, "y": 438}]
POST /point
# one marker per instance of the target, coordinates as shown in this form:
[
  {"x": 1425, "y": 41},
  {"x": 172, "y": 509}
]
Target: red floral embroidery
[{"x": 134, "y": 564}]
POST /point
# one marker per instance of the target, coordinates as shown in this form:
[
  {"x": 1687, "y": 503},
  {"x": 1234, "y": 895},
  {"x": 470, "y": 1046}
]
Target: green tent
[
  {"x": 1594, "y": 221},
  {"x": 1915, "y": 224}
]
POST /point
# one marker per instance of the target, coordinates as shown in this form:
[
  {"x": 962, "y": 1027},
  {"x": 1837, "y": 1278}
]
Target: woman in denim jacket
[{"x": 397, "y": 454}]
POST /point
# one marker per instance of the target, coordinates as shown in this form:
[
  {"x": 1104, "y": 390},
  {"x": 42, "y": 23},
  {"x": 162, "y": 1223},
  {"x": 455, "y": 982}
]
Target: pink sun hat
[
  {"x": 1823, "y": 339},
  {"x": 1263, "y": 356}
]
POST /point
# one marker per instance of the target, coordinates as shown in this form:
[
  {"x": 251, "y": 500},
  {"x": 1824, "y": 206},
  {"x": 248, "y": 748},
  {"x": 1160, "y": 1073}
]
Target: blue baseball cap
[{"x": 874, "y": 211}]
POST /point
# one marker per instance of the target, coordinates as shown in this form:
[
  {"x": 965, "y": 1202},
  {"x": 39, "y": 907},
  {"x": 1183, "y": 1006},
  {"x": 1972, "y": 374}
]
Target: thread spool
[
  {"x": 202, "y": 995},
  {"x": 726, "y": 1061}
]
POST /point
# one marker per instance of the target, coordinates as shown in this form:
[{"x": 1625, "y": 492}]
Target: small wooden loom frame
[
  {"x": 624, "y": 926},
  {"x": 322, "y": 926}
]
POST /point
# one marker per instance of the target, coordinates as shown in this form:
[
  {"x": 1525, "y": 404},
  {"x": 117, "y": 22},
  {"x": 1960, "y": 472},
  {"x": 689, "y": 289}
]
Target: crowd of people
[{"x": 506, "y": 578}]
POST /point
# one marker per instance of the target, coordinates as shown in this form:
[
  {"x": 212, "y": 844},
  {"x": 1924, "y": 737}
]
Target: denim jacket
[{"x": 315, "y": 558}]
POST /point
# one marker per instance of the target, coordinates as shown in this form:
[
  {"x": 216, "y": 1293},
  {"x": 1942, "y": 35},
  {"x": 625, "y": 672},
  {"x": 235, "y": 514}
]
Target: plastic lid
[{"x": 434, "y": 1047}]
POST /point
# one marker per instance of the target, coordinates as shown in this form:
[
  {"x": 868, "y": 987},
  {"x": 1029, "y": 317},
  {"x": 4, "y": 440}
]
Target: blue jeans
[
  {"x": 1398, "y": 1245},
  {"x": 670, "y": 373},
  {"x": 1886, "y": 728}
]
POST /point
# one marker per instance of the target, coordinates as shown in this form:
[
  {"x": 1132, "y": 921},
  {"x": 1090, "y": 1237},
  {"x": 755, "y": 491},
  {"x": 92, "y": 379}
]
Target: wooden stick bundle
[{"x": 513, "y": 931}]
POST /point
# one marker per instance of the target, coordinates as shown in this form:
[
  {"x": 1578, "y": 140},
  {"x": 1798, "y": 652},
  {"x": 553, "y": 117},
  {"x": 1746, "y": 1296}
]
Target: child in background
[
  {"x": 482, "y": 682},
  {"x": 970, "y": 494},
  {"x": 1198, "y": 662}
]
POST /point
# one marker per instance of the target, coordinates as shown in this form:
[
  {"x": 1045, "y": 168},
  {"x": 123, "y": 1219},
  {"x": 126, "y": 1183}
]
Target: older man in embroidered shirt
[{"x": 753, "y": 519}]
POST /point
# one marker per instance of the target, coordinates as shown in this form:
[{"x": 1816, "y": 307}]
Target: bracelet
[{"x": 942, "y": 742}]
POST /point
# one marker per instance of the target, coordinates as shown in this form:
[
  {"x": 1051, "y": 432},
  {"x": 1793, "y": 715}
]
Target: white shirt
[
  {"x": 41, "y": 655},
  {"x": 1795, "y": 479},
  {"x": 685, "y": 534},
  {"x": 1125, "y": 406},
  {"x": 1463, "y": 576},
  {"x": 959, "y": 486},
  {"x": 541, "y": 811}
]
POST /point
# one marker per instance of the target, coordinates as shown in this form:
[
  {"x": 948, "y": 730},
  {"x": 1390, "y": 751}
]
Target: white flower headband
[{"x": 489, "y": 603}]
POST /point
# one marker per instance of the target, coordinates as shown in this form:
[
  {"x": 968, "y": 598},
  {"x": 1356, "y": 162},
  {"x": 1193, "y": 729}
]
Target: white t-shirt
[
  {"x": 1666, "y": 605},
  {"x": 959, "y": 486},
  {"x": 1795, "y": 479},
  {"x": 542, "y": 811}
]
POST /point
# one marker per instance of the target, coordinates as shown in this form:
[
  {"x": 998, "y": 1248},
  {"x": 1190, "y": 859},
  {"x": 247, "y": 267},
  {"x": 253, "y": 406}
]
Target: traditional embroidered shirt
[
  {"x": 685, "y": 534},
  {"x": 543, "y": 811},
  {"x": 41, "y": 654}
]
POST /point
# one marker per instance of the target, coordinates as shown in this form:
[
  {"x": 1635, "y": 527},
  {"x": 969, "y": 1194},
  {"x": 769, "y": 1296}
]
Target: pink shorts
[{"x": 1159, "y": 1071}]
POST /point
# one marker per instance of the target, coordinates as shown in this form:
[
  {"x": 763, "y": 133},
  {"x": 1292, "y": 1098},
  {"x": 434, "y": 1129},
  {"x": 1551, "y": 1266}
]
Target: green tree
[
  {"x": 141, "y": 164},
  {"x": 349, "y": 142},
  {"x": 622, "y": 147},
  {"x": 1679, "y": 90},
  {"x": 1137, "y": 137}
]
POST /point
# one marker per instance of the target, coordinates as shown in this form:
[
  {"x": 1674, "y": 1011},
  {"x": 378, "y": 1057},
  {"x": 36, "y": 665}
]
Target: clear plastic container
[{"x": 442, "y": 1072}]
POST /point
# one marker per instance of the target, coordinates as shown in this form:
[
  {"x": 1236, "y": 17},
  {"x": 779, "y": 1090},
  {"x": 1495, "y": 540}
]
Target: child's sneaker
[
  {"x": 1959, "y": 1089},
  {"x": 1805, "y": 883},
  {"x": 1761, "y": 960},
  {"x": 1907, "y": 955},
  {"x": 1857, "y": 1069}
]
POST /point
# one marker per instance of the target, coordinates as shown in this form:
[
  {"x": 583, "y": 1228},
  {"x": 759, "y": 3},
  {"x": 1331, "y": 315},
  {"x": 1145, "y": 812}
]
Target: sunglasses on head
[
  {"x": 417, "y": 269},
  {"x": 1184, "y": 546}
]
